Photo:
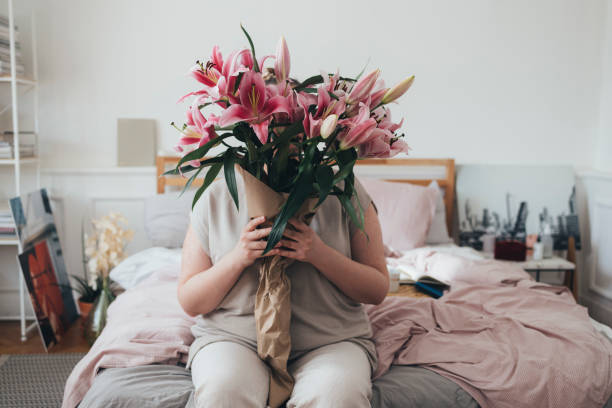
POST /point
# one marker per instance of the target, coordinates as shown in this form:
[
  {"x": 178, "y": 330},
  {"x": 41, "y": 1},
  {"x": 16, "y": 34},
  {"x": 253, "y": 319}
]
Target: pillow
[
  {"x": 438, "y": 232},
  {"x": 166, "y": 218},
  {"x": 405, "y": 211},
  {"x": 139, "y": 266}
]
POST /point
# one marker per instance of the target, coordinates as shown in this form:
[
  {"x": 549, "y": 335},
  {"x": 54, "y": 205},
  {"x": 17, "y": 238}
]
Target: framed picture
[
  {"x": 52, "y": 314},
  {"x": 35, "y": 224}
]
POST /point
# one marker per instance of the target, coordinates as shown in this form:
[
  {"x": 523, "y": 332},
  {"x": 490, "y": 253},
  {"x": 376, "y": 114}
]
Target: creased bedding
[
  {"x": 145, "y": 325},
  {"x": 505, "y": 339}
]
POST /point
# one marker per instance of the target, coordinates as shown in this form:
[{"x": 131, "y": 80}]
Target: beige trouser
[{"x": 227, "y": 374}]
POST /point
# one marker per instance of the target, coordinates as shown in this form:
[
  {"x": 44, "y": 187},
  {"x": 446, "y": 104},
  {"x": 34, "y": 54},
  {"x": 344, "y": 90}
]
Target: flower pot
[
  {"x": 85, "y": 308},
  {"x": 96, "y": 319}
]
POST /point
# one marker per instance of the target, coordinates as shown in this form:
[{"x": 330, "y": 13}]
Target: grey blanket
[{"x": 171, "y": 387}]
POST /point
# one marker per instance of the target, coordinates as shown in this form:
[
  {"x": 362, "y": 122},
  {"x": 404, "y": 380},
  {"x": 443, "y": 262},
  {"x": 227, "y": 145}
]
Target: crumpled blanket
[
  {"x": 521, "y": 344},
  {"x": 145, "y": 325},
  {"x": 509, "y": 342}
]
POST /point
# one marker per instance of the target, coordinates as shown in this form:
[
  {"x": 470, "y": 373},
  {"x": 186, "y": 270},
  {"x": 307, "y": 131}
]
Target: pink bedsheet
[
  {"x": 509, "y": 342},
  {"x": 145, "y": 325}
]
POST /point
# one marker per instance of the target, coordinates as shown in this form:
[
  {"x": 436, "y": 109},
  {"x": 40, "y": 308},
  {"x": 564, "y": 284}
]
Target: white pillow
[
  {"x": 438, "y": 232},
  {"x": 136, "y": 268},
  {"x": 166, "y": 218}
]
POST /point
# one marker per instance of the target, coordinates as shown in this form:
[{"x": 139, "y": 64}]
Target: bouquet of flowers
[{"x": 294, "y": 144}]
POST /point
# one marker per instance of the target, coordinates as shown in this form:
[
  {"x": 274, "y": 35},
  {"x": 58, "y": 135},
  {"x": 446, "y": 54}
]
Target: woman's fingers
[
  {"x": 270, "y": 253},
  {"x": 254, "y": 223},
  {"x": 289, "y": 233},
  {"x": 253, "y": 245},
  {"x": 298, "y": 225},
  {"x": 287, "y": 253},
  {"x": 286, "y": 243},
  {"x": 258, "y": 234}
]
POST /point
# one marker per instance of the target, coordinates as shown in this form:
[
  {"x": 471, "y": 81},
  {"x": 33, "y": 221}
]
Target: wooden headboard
[{"x": 419, "y": 171}]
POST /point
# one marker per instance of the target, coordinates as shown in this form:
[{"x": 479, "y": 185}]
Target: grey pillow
[{"x": 166, "y": 218}]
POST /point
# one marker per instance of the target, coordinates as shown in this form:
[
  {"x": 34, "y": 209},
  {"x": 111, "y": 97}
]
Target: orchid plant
[{"x": 301, "y": 138}]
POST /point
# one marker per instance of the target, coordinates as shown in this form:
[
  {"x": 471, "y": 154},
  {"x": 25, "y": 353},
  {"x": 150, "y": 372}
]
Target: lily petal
[
  {"x": 235, "y": 113},
  {"x": 261, "y": 130}
]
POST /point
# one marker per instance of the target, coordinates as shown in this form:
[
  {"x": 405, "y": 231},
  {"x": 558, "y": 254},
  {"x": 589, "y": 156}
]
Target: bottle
[
  {"x": 538, "y": 250},
  {"x": 394, "y": 280},
  {"x": 547, "y": 242}
]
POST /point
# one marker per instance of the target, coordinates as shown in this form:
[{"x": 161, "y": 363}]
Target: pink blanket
[
  {"x": 509, "y": 342},
  {"x": 145, "y": 325}
]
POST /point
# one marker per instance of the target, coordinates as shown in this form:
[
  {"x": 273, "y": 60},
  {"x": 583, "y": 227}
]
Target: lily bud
[
  {"x": 329, "y": 125},
  {"x": 363, "y": 87},
  {"x": 282, "y": 64},
  {"x": 397, "y": 91}
]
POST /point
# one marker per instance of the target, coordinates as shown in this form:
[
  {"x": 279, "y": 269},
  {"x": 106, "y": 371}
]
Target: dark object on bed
[
  {"x": 510, "y": 250},
  {"x": 157, "y": 386},
  {"x": 429, "y": 289}
]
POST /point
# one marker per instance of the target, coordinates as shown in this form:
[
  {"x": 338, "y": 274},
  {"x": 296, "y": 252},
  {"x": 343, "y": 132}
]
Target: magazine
[{"x": 410, "y": 275}]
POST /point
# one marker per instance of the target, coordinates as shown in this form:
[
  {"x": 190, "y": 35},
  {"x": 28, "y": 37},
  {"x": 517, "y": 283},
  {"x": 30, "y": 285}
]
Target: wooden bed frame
[{"x": 446, "y": 181}]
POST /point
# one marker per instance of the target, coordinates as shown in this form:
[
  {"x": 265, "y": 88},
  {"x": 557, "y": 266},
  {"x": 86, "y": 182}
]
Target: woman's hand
[
  {"x": 251, "y": 245},
  {"x": 300, "y": 242}
]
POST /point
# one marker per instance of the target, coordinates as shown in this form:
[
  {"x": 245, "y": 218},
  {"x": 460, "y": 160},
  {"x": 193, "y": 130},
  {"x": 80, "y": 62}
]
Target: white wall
[
  {"x": 603, "y": 151},
  {"x": 514, "y": 81}
]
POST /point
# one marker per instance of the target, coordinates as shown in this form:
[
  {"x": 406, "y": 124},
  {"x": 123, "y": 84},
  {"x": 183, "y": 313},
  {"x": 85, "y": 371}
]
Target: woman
[{"x": 337, "y": 268}]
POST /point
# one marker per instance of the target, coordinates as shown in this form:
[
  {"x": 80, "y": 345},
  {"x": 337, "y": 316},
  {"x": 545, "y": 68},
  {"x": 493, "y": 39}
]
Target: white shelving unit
[{"x": 18, "y": 87}]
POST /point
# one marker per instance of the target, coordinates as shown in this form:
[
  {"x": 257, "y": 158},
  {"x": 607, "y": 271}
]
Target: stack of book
[
  {"x": 5, "y": 53},
  {"x": 6, "y": 152},
  {"x": 27, "y": 144},
  {"x": 7, "y": 226}
]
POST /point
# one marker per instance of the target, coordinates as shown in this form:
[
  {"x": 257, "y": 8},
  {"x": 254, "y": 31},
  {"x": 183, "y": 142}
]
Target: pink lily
[
  {"x": 362, "y": 88},
  {"x": 383, "y": 144},
  {"x": 386, "y": 123},
  {"x": 199, "y": 130},
  {"x": 254, "y": 106},
  {"x": 282, "y": 64},
  {"x": 325, "y": 107},
  {"x": 358, "y": 129}
]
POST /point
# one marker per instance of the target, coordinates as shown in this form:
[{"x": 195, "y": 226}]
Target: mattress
[{"x": 171, "y": 387}]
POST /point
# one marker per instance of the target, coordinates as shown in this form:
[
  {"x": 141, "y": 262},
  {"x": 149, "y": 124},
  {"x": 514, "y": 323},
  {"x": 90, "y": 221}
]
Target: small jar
[{"x": 394, "y": 280}]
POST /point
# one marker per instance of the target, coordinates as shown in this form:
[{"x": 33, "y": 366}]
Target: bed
[{"x": 430, "y": 351}]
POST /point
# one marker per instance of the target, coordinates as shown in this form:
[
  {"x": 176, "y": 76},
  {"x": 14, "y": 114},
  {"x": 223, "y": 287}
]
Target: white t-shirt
[{"x": 321, "y": 314}]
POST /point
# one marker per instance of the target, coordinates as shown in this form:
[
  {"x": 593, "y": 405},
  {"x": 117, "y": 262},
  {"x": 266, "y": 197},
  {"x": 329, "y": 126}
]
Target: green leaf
[
  {"x": 288, "y": 133},
  {"x": 188, "y": 183},
  {"x": 202, "y": 150},
  {"x": 188, "y": 168},
  {"x": 230, "y": 174},
  {"x": 314, "y": 91},
  {"x": 211, "y": 174},
  {"x": 255, "y": 64},
  {"x": 362, "y": 70},
  {"x": 325, "y": 179},
  {"x": 313, "y": 80},
  {"x": 350, "y": 210},
  {"x": 303, "y": 188},
  {"x": 278, "y": 167},
  {"x": 344, "y": 172}
]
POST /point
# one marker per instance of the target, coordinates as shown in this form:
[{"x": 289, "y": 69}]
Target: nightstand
[{"x": 554, "y": 264}]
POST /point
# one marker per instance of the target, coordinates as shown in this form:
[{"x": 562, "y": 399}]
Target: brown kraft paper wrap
[{"x": 273, "y": 298}]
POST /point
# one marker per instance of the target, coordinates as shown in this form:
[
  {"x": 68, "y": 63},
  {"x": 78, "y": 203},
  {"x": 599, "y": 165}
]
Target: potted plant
[
  {"x": 103, "y": 250},
  {"x": 87, "y": 294}
]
